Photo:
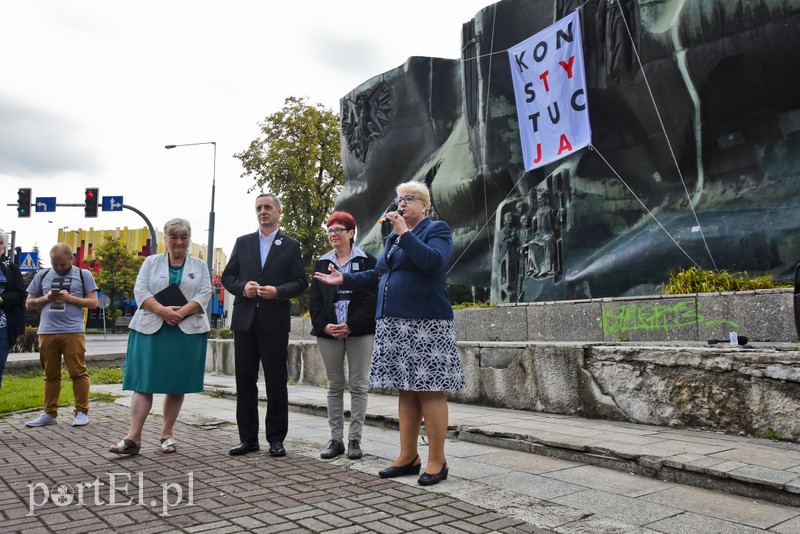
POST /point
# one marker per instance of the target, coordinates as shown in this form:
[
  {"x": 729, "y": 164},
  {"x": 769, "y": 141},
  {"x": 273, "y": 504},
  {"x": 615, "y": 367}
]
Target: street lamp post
[{"x": 211, "y": 213}]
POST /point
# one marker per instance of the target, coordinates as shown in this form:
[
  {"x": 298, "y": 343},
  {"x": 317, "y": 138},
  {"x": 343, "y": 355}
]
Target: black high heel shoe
[
  {"x": 427, "y": 479},
  {"x": 408, "y": 469}
]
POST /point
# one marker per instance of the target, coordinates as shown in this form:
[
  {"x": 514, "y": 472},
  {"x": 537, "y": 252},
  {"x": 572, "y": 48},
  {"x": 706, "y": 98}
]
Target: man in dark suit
[{"x": 265, "y": 270}]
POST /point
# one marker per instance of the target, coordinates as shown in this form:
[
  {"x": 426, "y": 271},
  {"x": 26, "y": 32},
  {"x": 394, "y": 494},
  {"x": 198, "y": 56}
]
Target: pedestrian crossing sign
[{"x": 29, "y": 262}]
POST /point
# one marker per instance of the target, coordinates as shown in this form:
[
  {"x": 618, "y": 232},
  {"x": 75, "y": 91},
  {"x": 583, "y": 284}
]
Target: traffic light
[
  {"x": 90, "y": 202},
  {"x": 24, "y": 202}
]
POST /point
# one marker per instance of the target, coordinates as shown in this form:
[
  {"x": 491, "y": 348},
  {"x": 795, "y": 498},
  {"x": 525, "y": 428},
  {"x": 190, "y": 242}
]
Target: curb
[
  {"x": 93, "y": 361},
  {"x": 786, "y": 493},
  {"x": 774, "y": 490}
]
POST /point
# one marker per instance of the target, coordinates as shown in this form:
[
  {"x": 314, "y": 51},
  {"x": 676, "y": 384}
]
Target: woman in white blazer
[{"x": 169, "y": 335}]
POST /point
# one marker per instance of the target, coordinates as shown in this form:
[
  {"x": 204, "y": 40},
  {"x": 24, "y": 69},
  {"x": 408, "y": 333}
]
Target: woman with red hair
[{"x": 344, "y": 323}]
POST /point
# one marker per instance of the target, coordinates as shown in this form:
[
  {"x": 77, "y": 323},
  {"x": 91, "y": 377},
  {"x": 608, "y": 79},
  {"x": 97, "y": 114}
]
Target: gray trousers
[{"x": 359, "y": 354}]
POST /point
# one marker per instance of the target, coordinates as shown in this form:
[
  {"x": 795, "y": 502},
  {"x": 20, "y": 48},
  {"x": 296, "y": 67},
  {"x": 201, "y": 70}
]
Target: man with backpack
[{"x": 61, "y": 293}]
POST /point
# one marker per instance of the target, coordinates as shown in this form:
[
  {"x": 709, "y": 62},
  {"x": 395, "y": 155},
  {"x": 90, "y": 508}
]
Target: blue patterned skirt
[{"x": 416, "y": 355}]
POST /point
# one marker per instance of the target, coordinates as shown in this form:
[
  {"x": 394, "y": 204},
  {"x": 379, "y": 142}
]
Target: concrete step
[{"x": 756, "y": 468}]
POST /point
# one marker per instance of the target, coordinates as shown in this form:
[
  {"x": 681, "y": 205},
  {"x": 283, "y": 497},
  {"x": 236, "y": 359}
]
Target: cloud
[
  {"x": 354, "y": 56},
  {"x": 35, "y": 142}
]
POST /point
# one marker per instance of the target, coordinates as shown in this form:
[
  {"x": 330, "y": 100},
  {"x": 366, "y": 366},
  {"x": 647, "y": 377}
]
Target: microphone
[
  {"x": 742, "y": 341},
  {"x": 393, "y": 207}
]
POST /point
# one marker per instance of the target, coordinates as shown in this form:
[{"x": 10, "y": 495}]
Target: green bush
[
  {"x": 479, "y": 304},
  {"x": 220, "y": 333},
  {"x": 697, "y": 280},
  {"x": 467, "y": 296},
  {"x": 28, "y": 341}
]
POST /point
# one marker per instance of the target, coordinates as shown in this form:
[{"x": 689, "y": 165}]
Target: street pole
[
  {"x": 11, "y": 247},
  {"x": 153, "y": 235},
  {"x": 211, "y": 219},
  {"x": 210, "y": 254}
]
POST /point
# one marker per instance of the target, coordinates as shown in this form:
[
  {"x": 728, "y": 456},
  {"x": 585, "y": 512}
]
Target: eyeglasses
[
  {"x": 178, "y": 238},
  {"x": 337, "y": 231},
  {"x": 406, "y": 198}
]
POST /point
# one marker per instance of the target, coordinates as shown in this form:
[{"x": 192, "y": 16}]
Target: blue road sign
[
  {"x": 29, "y": 262},
  {"x": 45, "y": 204},
  {"x": 112, "y": 203}
]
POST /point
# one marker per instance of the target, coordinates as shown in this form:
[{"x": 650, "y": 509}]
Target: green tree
[
  {"x": 297, "y": 157},
  {"x": 39, "y": 257},
  {"x": 118, "y": 269}
]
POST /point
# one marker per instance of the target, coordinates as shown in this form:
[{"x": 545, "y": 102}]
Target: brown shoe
[
  {"x": 334, "y": 448},
  {"x": 354, "y": 450}
]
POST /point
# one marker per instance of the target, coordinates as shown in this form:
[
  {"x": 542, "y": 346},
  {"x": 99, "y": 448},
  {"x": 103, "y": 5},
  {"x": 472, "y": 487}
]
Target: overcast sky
[{"x": 92, "y": 91}]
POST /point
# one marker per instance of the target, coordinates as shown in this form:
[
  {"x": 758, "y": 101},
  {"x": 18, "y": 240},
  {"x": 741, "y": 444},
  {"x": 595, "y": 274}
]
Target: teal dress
[{"x": 169, "y": 361}]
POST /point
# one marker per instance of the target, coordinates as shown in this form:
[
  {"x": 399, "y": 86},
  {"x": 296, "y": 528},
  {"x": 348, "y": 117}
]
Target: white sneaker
[
  {"x": 80, "y": 419},
  {"x": 44, "y": 419}
]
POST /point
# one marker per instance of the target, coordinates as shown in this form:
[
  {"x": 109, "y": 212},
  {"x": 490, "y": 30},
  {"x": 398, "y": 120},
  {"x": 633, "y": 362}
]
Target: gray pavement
[
  {"x": 490, "y": 489},
  {"x": 511, "y": 471}
]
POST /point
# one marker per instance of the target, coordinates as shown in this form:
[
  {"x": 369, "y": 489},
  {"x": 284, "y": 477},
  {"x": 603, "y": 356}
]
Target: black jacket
[
  {"x": 283, "y": 269},
  {"x": 13, "y": 299},
  {"x": 360, "y": 311}
]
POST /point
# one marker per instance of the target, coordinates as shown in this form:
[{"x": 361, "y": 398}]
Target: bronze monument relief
[{"x": 695, "y": 115}]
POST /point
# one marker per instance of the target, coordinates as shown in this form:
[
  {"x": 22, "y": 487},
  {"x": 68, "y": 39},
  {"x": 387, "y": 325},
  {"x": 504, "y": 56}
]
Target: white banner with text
[{"x": 550, "y": 90}]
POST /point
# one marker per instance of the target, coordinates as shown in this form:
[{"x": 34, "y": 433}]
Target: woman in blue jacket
[
  {"x": 415, "y": 347},
  {"x": 12, "y": 304}
]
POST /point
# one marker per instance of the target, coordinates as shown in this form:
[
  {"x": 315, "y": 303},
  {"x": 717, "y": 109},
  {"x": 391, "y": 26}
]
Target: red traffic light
[{"x": 90, "y": 202}]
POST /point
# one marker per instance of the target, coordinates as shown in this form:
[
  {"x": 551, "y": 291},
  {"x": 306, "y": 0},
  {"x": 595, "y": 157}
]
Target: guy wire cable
[
  {"x": 481, "y": 56},
  {"x": 513, "y": 188},
  {"x": 486, "y": 126},
  {"x": 516, "y": 184},
  {"x": 592, "y": 147},
  {"x": 666, "y": 137}
]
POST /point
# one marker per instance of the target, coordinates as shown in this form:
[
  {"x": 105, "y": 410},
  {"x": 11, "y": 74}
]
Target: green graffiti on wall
[{"x": 630, "y": 317}]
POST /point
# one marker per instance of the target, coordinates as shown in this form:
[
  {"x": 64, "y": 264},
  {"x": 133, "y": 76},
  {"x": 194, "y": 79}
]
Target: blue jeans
[{"x": 5, "y": 348}]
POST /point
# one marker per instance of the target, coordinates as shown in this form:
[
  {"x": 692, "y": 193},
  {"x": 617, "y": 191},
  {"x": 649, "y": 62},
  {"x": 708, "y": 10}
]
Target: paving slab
[
  {"x": 490, "y": 488},
  {"x": 731, "y": 508},
  {"x": 62, "y": 478}
]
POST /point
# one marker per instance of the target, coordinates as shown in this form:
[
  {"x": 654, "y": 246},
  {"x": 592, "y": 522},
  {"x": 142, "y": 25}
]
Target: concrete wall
[
  {"x": 714, "y": 388},
  {"x": 566, "y": 357},
  {"x": 765, "y": 315}
]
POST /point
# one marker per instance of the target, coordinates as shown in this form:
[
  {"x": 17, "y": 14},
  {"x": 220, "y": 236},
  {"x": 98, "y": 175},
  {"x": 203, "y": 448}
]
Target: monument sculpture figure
[
  {"x": 542, "y": 247},
  {"x": 508, "y": 258},
  {"x": 699, "y": 166}
]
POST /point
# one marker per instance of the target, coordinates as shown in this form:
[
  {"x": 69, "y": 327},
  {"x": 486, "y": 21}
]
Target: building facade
[{"x": 138, "y": 240}]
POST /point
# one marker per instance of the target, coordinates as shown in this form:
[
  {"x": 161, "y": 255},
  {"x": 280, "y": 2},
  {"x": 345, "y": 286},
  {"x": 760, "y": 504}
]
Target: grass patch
[
  {"x": 770, "y": 433},
  {"x": 471, "y": 305},
  {"x": 26, "y": 391},
  {"x": 103, "y": 397}
]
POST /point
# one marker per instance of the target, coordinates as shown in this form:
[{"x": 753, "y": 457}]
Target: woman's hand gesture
[{"x": 335, "y": 278}]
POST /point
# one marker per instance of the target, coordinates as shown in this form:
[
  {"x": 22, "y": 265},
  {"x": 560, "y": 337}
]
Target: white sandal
[
  {"x": 166, "y": 443},
  {"x": 126, "y": 446}
]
